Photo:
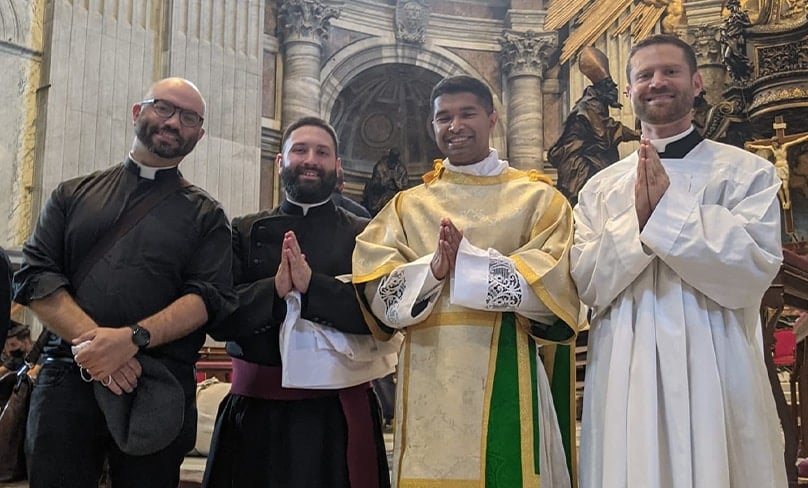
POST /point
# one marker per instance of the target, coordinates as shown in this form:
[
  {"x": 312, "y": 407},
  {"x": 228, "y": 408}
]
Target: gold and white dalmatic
[
  {"x": 473, "y": 406},
  {"x": 676, "y": 392}
]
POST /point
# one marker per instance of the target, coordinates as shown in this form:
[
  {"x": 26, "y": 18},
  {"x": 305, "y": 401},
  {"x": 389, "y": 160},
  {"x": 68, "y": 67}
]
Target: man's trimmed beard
[
  {"x": 308, "y": 192},
  {"x": 681, "y": 107},
  {"x": 146, "y": 131}
]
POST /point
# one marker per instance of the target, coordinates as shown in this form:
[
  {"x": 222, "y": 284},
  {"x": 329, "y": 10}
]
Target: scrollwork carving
[{"x": 782, "y": 58}]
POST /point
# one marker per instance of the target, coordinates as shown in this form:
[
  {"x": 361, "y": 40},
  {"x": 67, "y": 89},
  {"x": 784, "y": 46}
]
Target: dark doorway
[{"x": 385, "y": 106}]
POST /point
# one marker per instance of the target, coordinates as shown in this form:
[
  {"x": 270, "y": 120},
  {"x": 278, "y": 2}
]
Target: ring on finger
[
  {"x": 85, "y": 375},
  {"x": 108, "y": 381}
]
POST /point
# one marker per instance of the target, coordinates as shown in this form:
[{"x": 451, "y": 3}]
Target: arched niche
[{"x": 358, "y": 83}]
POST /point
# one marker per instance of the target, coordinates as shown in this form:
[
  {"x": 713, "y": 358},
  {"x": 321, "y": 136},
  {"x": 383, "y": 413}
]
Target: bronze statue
[
  {"x": 389, "y": 177},
  {"x": 733, "y": 38},
  {"x": 590, "y": 138}
]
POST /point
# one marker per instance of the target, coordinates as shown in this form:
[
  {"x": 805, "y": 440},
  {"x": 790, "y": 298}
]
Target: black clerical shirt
[
  {"x": 181, "y": 246},
  {"x": 326, "y": 235}
]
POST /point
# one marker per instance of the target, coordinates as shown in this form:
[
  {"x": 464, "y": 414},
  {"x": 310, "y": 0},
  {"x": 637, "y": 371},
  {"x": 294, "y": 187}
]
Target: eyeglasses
[{"x": 166, "y": 109}]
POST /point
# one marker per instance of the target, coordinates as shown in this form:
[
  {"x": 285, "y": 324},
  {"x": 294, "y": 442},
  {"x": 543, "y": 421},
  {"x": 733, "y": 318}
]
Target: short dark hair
[
  {"x": 463, "y": 84},
  {"x": 314, "y": 121},
  {"x": 687, "y": 49},
  {"x": 19, "y": 331}
]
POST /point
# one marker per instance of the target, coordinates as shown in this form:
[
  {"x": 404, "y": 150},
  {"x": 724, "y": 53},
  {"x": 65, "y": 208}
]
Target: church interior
[{"x": 72, "y": 69}]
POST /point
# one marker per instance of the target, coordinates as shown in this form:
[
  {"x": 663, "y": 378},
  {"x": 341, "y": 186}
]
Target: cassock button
[
  {"x": 258, "y": 244},
  {"x": 256, "y": 261}
]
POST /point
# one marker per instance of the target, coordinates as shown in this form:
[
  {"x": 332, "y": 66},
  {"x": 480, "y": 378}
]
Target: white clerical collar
[
  {"x": 490, "y": 166},
  {"x": 306, "y": 206},
  {"x": 148, "y": 172},
  {"x": 661, "y": 144}
]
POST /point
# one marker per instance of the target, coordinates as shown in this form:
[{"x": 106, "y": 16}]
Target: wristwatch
[{"x": 140, "y": 336}]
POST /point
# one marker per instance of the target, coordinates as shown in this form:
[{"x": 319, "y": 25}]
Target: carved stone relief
[
  {"x": 785, "y": 57},
  {"x": 706, "y": 42},
  {"x": 412, "y": 17},
  {"x": 305, "y": 19},
  {"x": 10, "y": 30},
  {"x": 526, "y": 52}
]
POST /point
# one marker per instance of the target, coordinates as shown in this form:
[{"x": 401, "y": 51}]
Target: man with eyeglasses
[{"x": 151, "y": 292}]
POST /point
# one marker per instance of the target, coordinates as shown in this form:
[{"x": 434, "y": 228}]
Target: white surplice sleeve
[
  {"x": 729, "y": 252},
  {"x": 487, "y": 280},
  {"x": 607, "y": 255},
  {"x": 406, "y": 296}
]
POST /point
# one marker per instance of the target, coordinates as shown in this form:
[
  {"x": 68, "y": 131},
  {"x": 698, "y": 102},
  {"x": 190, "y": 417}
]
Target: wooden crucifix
[{"x": 778, "y": 145}]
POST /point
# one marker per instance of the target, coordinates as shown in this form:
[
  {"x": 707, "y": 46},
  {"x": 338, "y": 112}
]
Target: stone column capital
[
  {"x": 305, "y": 20},
  {"x": 706, "y": 42},
  {"x": 526, "y": 53}
]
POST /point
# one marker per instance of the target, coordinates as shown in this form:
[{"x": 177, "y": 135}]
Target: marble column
[
  {"x": 704, "y": 40},
  {"x": 524, "y": 59},
  {"x": 304, "y": 26}
]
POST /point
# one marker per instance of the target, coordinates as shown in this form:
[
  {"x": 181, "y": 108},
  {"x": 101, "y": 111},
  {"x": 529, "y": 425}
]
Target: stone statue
[
  {"x": 675, "y": 17},
  {"x": 389, "y": 177},
  {"x": 591, "y": 137}
]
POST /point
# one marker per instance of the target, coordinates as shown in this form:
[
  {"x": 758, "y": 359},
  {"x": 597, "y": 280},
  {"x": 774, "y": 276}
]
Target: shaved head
[{"x": 181, "y": 88}]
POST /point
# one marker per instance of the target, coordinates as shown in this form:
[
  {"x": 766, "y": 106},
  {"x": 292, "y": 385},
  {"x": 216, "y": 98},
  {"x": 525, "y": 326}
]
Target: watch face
[{"x": 140, "y": 337}]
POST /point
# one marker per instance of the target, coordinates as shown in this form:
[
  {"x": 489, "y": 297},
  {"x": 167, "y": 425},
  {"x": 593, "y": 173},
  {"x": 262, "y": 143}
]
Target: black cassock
[{"x": 297, "y": 443}]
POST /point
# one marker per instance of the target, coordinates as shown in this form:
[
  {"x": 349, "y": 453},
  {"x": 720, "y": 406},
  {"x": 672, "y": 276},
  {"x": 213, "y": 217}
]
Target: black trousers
[
  {"x": 386, "y": 390},
  {"x": 67, "y": 439}
]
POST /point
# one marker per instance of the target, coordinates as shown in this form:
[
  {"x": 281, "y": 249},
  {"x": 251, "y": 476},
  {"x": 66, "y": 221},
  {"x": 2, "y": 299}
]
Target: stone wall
[
  {"x": 97, "y": 59},
  {"x": 20, "y": 63}
]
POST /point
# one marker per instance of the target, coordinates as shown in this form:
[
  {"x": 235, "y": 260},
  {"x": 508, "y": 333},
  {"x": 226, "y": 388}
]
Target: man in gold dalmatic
[{"x": 473, "y": 266}]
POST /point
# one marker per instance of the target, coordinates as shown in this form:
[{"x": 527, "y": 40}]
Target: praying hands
[
  {"x": 652, "y": 182},
  {"x": 449, "y": 237},
  {"x": 294, "y": 272}
]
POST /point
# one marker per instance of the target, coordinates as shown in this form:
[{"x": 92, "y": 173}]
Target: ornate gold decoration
[
  {"x": 594, "y": 18},
  {"x": 776, "y": 95}
]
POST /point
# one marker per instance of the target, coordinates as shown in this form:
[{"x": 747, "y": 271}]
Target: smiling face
[
  {"x": 462, "y": 127},
  {"x": 308, "y": 164},
  {"x": 662, "y": 89},
  {"x": 164, "y": 141}
]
